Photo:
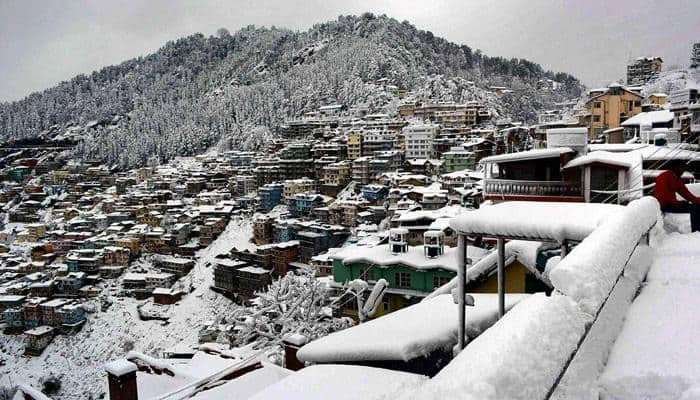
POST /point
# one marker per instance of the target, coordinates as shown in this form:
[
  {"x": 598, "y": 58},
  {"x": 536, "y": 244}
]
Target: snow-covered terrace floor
[{"x": 657, "y": 354}]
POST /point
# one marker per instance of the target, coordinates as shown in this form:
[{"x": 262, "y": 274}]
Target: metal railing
[{"x": 506, "y": 187}]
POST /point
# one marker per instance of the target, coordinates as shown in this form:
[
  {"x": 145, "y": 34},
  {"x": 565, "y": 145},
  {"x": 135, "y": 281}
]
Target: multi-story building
[
  {"x": 681, "y": 103},
  {"x": 419, "y": 139},
  {"x": 354, "y": 142},
  {"x": 282, "y": 255},
  {"x": 224, "y": 274},
  {"x": 270, "y": 195},
  {"x": 245, "y": 184},
  {"x": 643, "y": 69},
  {"x": 376, "y": 139},
  {"x": 360, "y": 170},
  {"x": 262, "y": 230},
  {"x": 458, "y": 159},
  {"x": 160, "y": 280},
  {"x": 608, "y": 108},
  {"x": 114, "y": 255},
  {"x": 303, "y": 204},
  {"x": 294, "y": 186},
  {"x": 175, "y": 265},
  {"x": 695, "y": 55}
]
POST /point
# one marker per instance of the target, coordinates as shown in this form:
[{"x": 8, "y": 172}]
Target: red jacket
[{"x": 667, "y": 185}]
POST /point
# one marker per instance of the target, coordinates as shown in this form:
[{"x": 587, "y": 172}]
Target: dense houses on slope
[{"x": 390, "y": 203}]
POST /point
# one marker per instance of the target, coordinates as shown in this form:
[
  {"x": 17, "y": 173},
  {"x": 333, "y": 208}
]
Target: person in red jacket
[{"x": 668, "y": 184}]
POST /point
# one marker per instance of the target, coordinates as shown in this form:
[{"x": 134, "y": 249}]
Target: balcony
[{"x": 504, "y": 189}]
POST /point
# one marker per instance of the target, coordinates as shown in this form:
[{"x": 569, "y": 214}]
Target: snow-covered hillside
[
  {"x": 194, "y": 91},
  {"x": 77, "y": 361},
  {"x": 676, "y": 79}
]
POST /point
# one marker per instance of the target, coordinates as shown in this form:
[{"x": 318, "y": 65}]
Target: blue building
[
  {"x": 72, "y": 314},
  {"x": 270, "y": 195},
  {"x": 374, "y": 193},
  {"x": 303, "y": 204},
  {"x": 13, "y": 318},
  {"x": 283, "y": 231}
]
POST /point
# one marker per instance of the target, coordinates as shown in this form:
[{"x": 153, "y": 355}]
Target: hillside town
[{"x": 393, "y": 253}]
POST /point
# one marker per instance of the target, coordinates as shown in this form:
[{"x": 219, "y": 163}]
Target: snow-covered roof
[
  {"x": 545, "y": 221},
  {"x": 414, "y": 257},
  {"x": 602, "y": 157},
  {"x": 245, "y": 386},
  {"x": 432, "y": 325},
  {"x": 39, "y": 330},
  {"x": 254, "y": 270},
  {"x": 445, "y": 212},
  {"x": 615, "y": 147},
  {"x": 657, "y": 153},
  {"x": 340, "y": 382},
  {"x": 527, "y": 155},
  {"x": 649, "y": 118}
]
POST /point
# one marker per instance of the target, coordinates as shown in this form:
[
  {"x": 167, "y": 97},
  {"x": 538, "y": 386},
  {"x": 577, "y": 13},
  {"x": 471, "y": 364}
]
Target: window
[
  {"x": 403, "y": 279},
  {"x": 596, "y": 118},
  {"x": 603, "y": 179},
  {"x": 440, "y": 281},
  {"x": 638, "y": 103},
  {"x": 597, "y": 104},
  {"x": 385, "y": 304},
  {"x": 366, "y": 274}
]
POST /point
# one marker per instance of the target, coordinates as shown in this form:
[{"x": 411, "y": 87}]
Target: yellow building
[
  {"x": 131, "y": 243},
  {"x": 407, "y": 109},
  {"x": 59, "y": 176},
  {"x": 610, "y": 107},
  {"x": 354, "y": 144},
  {"x": 658, "y": 98},
  {"x": 294, "y": 186},
  {"x": 337, "y": 174}
]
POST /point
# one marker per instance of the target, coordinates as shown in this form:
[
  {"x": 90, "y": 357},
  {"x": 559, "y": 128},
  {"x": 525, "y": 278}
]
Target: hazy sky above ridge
[{"x": 48, "y": 41}]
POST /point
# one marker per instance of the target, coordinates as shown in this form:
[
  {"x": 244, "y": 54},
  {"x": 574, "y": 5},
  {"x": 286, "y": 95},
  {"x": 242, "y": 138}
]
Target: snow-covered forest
[{"x": 198, "y": 90}]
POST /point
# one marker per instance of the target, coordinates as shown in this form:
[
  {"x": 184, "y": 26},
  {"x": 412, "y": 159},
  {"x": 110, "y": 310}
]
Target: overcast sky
[{"x": 45, "y": 42}]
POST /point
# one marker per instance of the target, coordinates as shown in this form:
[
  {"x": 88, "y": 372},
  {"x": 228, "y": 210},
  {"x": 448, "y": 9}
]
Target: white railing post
[
  {"x": 501, "y": 277},
  {"x": 461, "y": 288}
]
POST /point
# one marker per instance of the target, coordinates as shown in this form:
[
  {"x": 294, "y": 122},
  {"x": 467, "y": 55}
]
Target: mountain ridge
[{"x": 196, "y": 90}]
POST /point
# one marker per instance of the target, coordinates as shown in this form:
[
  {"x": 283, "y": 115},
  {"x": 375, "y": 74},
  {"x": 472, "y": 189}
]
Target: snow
[
  {"x": 340, "y": 382},
  {"x": 523, "y": 251},
  {"x": 445, "y": 212},
  {"x": 519, "y": 357},
  {"x": 615, "y": 147},
  {"x": 589, "y": 272},
  {"x": 107, "y": 335},
  {"x": 649, "y": 118},
  {"x": 295, "y": 339},
  {"x": 656, "y": 354},
  {"x": 657, "y": 153},
  {"x": 580, "y": 379},
  {"x": 535, "y": 220},
  {"x": 527, "y": 155},
  {"x": 120, "y": 367},
  {"x": 245, "y": 386},
  {"x": 414, "y": 257},
  {"x": 25, "y": 390},
  {"x": 603, "y": 157},
  {"x": 408, "y": 333}
]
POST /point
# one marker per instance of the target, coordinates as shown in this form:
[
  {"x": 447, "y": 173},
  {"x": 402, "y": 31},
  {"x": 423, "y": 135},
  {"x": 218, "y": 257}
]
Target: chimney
[
  {"x": 397, "y": 240},
  {"x": 574, "y": 138},
  {"x": 433, "y": 243},
  {"x": 121, "y": 377},
  {"x": 292, "y": 343}
]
